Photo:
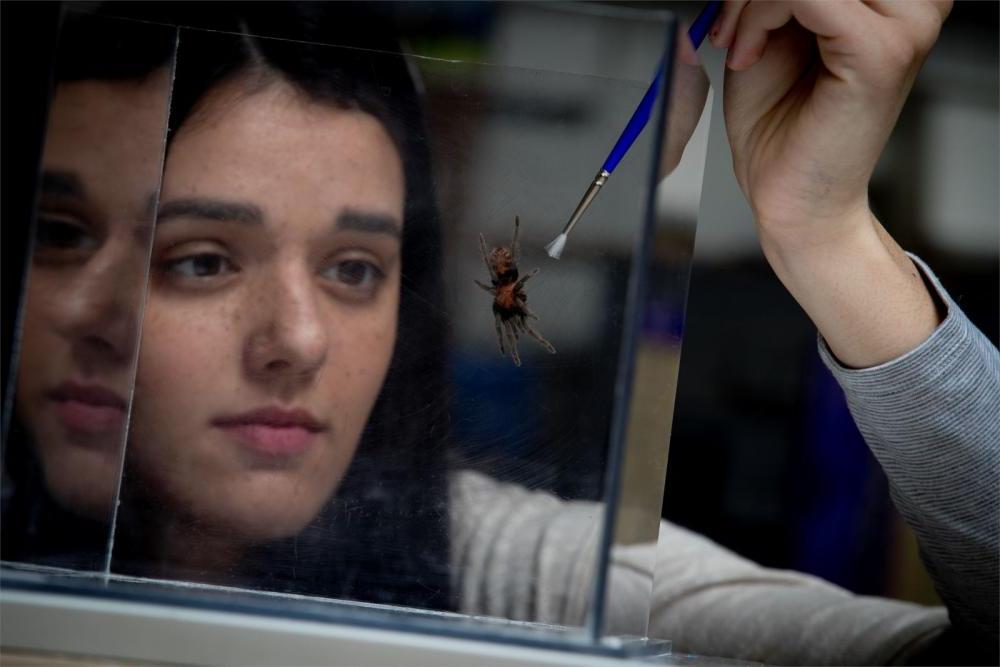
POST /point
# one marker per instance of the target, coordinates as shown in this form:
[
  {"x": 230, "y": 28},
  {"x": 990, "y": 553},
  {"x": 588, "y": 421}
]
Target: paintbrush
[{"x": 696, "y": 33}]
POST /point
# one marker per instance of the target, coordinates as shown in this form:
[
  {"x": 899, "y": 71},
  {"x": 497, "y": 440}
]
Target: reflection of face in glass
[
  {"x": 101, "y": 163},
  {"x": 272, "y": 310}
]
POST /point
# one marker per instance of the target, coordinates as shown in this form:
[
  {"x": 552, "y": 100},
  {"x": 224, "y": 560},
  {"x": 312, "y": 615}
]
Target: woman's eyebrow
[
  {"x": 362, "y": 221},
  {"x": 210, "y": 209},
  {"x": 62, "y": 183}
]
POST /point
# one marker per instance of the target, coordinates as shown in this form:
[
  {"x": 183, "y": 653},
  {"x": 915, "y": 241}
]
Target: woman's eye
[
  {"x": 205, "y": 265},
  {"x": 354, "y": 273},
  {"x": 53, "y": 234}
]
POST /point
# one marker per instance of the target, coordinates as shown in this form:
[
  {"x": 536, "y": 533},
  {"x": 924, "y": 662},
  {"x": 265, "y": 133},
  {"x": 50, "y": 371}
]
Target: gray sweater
[{"x": 932, "y": 419}]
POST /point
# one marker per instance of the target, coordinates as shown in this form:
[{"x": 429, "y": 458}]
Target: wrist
[
  {"x": 866, "y": 297},
  {"x": 804, "y": 238}
]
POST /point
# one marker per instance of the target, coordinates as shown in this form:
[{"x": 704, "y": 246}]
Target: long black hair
[{"x": 383, "y": 537}]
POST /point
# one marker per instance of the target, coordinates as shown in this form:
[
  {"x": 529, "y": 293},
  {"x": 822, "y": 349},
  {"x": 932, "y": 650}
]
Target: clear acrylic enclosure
[{"x": 351, "y": 377}]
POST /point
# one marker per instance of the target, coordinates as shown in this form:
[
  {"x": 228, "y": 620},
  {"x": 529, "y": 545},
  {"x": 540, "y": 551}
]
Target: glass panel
[
  {"x": 659, "y": 306},
  {"x": 322, "y": 404},
  {"x": 84, "y": 289}
]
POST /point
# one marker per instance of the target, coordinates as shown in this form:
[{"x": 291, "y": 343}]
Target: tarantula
[{"x": 510, "y": 310}]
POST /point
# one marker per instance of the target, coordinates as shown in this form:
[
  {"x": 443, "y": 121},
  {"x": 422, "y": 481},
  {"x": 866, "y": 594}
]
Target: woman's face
[
  {"x": 83, "y": 296},
  {"x": 271, "y": 314}
]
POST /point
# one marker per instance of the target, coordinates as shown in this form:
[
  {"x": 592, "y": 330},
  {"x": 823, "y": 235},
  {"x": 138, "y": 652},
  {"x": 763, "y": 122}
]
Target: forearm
[{"x": 864, "y": 294}]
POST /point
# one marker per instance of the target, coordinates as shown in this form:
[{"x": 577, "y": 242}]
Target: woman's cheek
[
  {"x": 177, "y": 338},
  {"x": 383, "y": 340},
  {"x": 180, "y": 361}
]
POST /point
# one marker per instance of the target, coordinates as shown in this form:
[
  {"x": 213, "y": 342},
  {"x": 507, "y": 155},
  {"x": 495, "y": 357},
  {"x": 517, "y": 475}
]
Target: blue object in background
[{"x": 843, "y": 528}]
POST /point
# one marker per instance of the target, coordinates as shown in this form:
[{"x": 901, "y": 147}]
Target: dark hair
[{"x": 384, "y": 535}]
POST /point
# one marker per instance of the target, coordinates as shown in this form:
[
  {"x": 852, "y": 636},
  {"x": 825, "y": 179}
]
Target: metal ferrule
[{"x": 588, "y": 196}]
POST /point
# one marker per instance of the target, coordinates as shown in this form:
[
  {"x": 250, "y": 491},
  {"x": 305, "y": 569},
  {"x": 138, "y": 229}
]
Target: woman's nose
[
  {"x": 98, "y": 308},
  {"x": 291, "y": 340}
]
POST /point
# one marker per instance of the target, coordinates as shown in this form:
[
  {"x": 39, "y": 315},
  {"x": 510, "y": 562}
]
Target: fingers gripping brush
[{"x": 696, "y": 33}]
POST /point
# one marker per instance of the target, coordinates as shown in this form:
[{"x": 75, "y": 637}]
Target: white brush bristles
[{"x": 555, "y": 248}]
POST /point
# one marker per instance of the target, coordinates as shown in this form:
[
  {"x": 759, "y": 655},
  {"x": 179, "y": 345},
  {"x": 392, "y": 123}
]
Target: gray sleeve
[{"x": 932, "y": 419}]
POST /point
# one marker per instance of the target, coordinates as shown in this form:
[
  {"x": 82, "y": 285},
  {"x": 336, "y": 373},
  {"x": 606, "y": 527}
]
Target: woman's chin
[
  {"x": 82, "y": 482},
  {"x": 261, "y": 524}
]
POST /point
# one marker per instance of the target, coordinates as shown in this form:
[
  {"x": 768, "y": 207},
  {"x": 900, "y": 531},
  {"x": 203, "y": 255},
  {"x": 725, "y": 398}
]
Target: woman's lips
[
  {"x": 273, "y": 431},
  {"x": 89, "y": 409}
]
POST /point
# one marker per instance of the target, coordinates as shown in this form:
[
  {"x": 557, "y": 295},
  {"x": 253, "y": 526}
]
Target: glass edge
[
  {"x": 636, "y": 15},
  {"x": 638, "y": 278},
  {"x": 134, "y": 363},
  {"x": 330, "y": 611}
]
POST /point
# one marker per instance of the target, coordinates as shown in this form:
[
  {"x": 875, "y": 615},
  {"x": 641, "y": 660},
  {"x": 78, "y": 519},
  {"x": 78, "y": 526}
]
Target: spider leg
[
  {"x": 500, "y": 333},
  {"x": 525, "y": 327},
  {"x": 514, "y": 355},
  {"x": 528, "y": 312},
  {"x": 515, "y": 246},
  {"x": 512, "y": 340},
  {"x": 537, "y": 336},
  {"x": 486, "y": 257},
  {"x": 523, "y": 279},
  {"x": 512, "y": 330},
  {"x": 489, "y": 289}
]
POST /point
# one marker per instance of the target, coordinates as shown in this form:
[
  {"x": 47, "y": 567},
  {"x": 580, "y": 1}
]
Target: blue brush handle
[{"x": 696, "y": 33}]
